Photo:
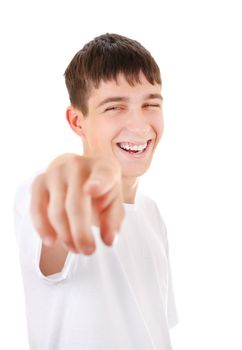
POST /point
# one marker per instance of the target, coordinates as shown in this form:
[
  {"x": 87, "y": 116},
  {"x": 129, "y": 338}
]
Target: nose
[{"x": 138, "y": 124}]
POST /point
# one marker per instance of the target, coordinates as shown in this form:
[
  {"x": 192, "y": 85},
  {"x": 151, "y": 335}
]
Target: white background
[{"x": 196, "y": 174}]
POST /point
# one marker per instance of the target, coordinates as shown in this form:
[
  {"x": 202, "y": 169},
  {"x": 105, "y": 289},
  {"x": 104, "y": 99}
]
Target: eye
[
  {"x": 114, "y": 108},
  {"x": 152, "y": 105}
]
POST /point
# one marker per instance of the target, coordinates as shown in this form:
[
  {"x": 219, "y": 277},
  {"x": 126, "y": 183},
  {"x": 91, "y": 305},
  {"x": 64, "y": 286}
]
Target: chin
[{"x": 134, "y": 170}]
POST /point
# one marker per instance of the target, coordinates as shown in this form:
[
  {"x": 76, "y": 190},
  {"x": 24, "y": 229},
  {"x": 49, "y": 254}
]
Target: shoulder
[
  {"x": 151, "y": 211},
  {"x": 146, "y": 202}
]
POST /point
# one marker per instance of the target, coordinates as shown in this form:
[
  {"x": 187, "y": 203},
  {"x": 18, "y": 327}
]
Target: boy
[{"x": 83, "y": 290}]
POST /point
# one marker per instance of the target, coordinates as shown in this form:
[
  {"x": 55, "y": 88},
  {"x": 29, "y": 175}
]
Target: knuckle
[
  {"x": 54, "y": 175},
  {"x": 75, "y": 160},
  {"x": 75, "y": 165}
]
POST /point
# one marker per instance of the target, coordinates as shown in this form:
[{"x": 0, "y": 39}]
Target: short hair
[{"x": 103, "y": 58}]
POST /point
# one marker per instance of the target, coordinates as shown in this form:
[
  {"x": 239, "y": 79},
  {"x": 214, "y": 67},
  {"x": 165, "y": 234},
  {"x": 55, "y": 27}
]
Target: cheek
[
  {"x": 102, "y": 135},
  {"x": 158, "y": 125},
  {"x": 111, "y": 129}
]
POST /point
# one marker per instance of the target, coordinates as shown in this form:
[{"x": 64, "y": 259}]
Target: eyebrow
[{"x": 126, "y": 99}]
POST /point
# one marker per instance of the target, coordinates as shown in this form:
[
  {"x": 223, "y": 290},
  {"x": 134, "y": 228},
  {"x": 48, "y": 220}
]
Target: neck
[{"x": 130, "y": 185}]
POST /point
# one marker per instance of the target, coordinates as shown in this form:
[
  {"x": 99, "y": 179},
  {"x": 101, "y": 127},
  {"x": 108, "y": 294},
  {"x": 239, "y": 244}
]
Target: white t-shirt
[{"x": 120, "y": 297}]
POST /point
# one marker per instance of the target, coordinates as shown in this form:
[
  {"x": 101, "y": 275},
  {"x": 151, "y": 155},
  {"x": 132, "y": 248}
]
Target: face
[{"x": 125, "y": 122}]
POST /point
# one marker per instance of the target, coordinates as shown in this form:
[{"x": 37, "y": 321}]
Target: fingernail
[
  {"x": 91, "y": 182},
  {"x": 89, "y": 250}
]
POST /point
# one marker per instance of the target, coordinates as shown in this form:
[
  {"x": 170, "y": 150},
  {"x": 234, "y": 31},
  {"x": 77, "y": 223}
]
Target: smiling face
[{"x": 123, "y": 121}]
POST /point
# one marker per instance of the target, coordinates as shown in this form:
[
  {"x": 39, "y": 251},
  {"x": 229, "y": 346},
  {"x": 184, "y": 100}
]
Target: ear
[{"x": 75, "y": 120}]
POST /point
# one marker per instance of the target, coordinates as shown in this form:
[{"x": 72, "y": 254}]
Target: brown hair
[{"x": 104, "y": 58}]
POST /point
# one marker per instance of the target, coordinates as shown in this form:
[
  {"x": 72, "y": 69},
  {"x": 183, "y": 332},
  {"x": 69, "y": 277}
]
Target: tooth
[{"x": 131, "y": 147}]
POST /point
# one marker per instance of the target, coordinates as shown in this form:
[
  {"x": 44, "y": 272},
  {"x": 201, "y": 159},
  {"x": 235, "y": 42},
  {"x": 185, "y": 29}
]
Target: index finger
[{"x": 103, "y": 177}]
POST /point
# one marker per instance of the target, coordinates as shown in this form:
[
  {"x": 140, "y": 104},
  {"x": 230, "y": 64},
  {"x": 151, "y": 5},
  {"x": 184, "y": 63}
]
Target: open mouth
[{"x": 134, "y": 149}]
